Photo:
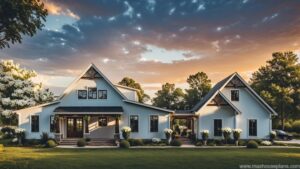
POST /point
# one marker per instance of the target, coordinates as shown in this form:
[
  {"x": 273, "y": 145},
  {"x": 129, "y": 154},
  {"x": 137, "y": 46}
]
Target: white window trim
[
  {"x": 149, "y": 123},
  {"x": 238, "y": 92},
  {"x": 31, "y": 123},
  {"x": 86, "y": 94},
  {"x": 214, "y": 127},
  {"x": 248, "y": 134},
  {"x": 96, "y": 93},
  {"x": 138, "y": 122}
]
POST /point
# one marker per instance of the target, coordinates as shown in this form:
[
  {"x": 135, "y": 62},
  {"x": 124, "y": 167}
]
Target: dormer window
[
  {"x": 235, "y": 95},
  {"x": 102, "y": 94},
  {"x": 92, "y": 93},
  {"x": 82, "y": 94}
]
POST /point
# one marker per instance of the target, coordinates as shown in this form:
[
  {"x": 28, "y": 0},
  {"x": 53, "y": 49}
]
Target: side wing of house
[
  {"x": 108, "y": 109},
  {"x": 232, "y": 103}
]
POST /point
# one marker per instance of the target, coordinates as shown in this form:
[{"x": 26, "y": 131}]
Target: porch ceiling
[{"x": 89, "y": 110}]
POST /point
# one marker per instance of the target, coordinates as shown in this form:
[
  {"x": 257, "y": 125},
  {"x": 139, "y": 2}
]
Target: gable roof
[
  {"x": 220, "y": 85},
  {"x": 126, "y": 87},
  {"x": 70, "y": 87},
  {"x": 37, "y": 106},
  {"x": 98, "y": 74},
  {"x": 212, "y": 93},
  {"x": 147, "y": 105}
]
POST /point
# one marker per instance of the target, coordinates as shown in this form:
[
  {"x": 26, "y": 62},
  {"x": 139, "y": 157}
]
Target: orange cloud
[{"x": 55, "y": 9}]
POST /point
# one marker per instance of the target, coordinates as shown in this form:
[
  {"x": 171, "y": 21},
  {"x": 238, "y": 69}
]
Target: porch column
[
  {"x": 117, "y": 130},
  {"x": 117, "y": 127},
  {"x": 192, "y": 124},
  {"x": 57, "y": 127}
]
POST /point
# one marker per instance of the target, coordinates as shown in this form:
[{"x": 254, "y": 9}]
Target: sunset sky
[{"x": 157, "y": 41}]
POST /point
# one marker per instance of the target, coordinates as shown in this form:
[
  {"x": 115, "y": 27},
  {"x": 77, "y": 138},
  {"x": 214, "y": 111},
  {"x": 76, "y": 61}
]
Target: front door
[{"x": 74, "y": 127}]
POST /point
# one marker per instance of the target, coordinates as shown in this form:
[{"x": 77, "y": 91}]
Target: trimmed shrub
[
  {"x": 242, "y": 143},
  {"x": 124, "y": 144},
  {"x": 199, "y": 143},
  {"x": 252, "y": 144},
  {"x": 87, "y": 139},
  {"x": 176, "y": 142},
  {"x": 138, "y": 142},
  {"x": 9, "y": 132},
  {"x": 296, "y": 126},
  {"x": 81, "y": 143},
  {"x": 50, "y": 144},
  {"x": 44, "y": 138},
  {"x": 219, "y": 142},
  {"x": 266, "y": 143}
]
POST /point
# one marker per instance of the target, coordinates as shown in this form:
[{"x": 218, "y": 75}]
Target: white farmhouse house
[{"x": 94, "y": 107}]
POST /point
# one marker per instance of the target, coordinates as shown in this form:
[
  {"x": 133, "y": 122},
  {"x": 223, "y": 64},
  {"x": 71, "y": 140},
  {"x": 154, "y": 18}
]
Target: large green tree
[
  {"x": 20, "y": 17},
  {"x": 129, "y": 82},
  {"x": 278, "y": 82},
  {"x": 169, "y": 97},
  {"x": 17, "y": 91},
  {"x": 199, "y": 86}
]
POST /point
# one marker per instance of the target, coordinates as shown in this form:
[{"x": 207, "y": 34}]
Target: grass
[{"x": 33, "y": 158}]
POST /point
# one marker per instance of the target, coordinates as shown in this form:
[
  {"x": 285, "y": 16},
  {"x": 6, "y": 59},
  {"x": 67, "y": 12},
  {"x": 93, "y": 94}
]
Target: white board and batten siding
[{"x": 113, "y": 99}]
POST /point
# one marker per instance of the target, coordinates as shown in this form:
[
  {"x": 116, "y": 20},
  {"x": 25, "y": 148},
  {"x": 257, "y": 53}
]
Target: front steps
[
  {"x": 185, "y": 141},
  {"x": 93, "y": 142}
]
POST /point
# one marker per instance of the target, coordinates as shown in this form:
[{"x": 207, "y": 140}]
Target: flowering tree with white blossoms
[{"x": 17, "y": 91}]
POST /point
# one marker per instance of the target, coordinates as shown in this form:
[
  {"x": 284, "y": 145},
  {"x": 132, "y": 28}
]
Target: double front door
[{"x": 74, "y": 127}]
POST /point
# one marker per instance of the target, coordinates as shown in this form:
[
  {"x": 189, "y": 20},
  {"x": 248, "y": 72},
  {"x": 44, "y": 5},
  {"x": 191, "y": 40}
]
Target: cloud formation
[{"x": 215, "y": 36}]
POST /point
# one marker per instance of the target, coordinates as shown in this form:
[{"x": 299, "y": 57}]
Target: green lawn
[{"x": 13, "y": 157}]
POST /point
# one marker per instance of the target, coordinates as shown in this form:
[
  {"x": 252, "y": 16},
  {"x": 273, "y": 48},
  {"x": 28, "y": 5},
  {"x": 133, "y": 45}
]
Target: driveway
[{"x": 294, "y": 141}]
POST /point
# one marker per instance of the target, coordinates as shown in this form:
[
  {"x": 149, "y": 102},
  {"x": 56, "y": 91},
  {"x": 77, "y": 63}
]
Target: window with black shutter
[
  {"x": 153, "y": 123},
  {"x": 252, "y": 127},
  {"x": 35, "y": 127},
  {"x": 217, "y": 127},
  {"x": 134, "y": 123}
]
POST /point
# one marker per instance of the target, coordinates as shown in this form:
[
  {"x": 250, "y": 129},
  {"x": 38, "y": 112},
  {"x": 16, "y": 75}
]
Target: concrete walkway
[{"x": 294, "y": 141}]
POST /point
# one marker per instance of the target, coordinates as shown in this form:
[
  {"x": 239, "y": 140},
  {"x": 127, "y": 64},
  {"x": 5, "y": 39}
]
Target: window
[
  {"x": 134, "y": 123},
  {"x": 35, "y": 123},
  {"x": 252, "y": 127},
  {"x": 102, "y": 121},
  {"x": 235, "y": 95},
  {"x": 217, "y": 127},
  {"x": 102, "y": 94},
  {"x": 82, "y": 94},
  {"x": 153, "y": 123},
  {"x": 93, "y": 93},
  {"x": 52, "y": 124}
]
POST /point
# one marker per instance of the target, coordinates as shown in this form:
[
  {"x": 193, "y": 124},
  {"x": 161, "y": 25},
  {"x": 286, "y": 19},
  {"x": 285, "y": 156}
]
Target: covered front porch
[
  {"x": 184, "y": 124},
  {"x": 95, "y": 123}
]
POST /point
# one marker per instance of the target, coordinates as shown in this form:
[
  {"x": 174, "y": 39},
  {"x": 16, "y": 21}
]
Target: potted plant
[
  {"x": 272, "y": 135},
  {"x": 168, "y": 132},
  {"x": 204, "y": 135},
  {"x": 126, "y": 132},
  {"x": 236, "y": 135},
  {"x": 226, "y": 133}
]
